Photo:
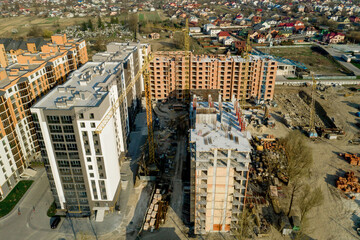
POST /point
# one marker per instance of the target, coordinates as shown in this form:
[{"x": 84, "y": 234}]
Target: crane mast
[{"x": 312, "y": 131}]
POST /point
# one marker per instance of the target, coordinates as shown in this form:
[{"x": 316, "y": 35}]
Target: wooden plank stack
[{"x": 152, "y": 211}]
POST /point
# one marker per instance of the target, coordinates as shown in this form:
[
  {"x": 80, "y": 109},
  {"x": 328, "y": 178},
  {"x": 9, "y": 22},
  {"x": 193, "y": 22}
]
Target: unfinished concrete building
[
  {"x": 227, "y": 73},
  {"x": 220, "y": 157}
]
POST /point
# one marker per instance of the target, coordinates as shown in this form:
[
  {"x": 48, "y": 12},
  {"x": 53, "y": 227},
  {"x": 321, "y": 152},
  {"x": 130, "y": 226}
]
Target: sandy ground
[{"x": 337, "y": 217}]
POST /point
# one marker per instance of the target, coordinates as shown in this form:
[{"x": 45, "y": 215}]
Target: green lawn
[
  {"x": 52, "y": 210},
  {"x": 356, "y": 65},
  {"x": 14, "y": 196},
  {"x": 313, "y": 60},
  {"x": 149, "y": 17}
]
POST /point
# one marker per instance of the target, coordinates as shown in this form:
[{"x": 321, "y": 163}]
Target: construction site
[{"x": 218, "y": 163}]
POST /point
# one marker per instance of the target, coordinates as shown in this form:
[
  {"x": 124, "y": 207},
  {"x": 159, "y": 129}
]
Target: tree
[
  {"x": 298, "y": 162},
  {"x": 47, "y": 33},
  {"x": 298, "y": 155},
  {"x": 100, "y": 23},
  {"x": 179, "y": 40},
  {"x": 134, "y": 24},
  {"x": 245, "y": 224},
  {"x": 90, "y": 25},
  {"x": 99, "y": 45},
  {"x": 35, "y": 31},
  {"x": 309, "y": 199},
  {"x": 83, "y": 26}
]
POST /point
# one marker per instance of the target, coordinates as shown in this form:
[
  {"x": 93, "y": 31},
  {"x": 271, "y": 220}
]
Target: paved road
[
  {"x": 337, "y": 55},
  {"x": 30, "y": 224}
]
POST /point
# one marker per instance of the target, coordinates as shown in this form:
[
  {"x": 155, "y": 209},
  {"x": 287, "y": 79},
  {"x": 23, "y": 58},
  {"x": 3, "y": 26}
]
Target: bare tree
[
  {"x": 309, "y": 199},
  {"x": 298, "y": 162},
  {"x": 134, "y": 24},
  {"x": 179, "y": 40}
]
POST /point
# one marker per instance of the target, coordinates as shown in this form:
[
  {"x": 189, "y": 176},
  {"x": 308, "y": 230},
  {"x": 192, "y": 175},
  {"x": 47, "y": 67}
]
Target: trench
[{"x": 319, "y": 110}]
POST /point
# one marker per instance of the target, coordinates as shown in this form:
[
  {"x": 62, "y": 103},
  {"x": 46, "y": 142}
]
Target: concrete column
[
  {"x": 226, "y": 189},
  {"x": 213, "y": 193}
]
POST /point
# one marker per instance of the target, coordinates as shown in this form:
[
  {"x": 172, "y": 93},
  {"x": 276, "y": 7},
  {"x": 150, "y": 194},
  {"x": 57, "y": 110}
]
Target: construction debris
[
  {"x": 353, "y": 159},
  {"x": 349, "y": 183}
]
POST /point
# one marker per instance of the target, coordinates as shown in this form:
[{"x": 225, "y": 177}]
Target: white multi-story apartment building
[{"x": 83, "y": 166}]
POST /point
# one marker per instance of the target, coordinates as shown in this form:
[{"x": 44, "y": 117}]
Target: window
[
  {"x": 66, "y": 119},
  {"x": 90, "y": 167},
  {"x": 59, "y": 146},
  {"x": 91, "y": 116},
  {"x": 81, "y": 116},
  {"x": 61, "y": 155},
  {"x": 55, "y": 128},
  {"x": 82, "y": 125},
  {"x": 68, "y": 129},
  {"x": 70, "y": 138},
  {"x": 75, "y": 164},
  {"x": 72, "y": 147},
  {"x": 53, "y": 119},
  {"x": 92, "y": 125},
  {"x": 73, "y": 155},
  {"x": 84, "y": 134},
  {"x": 57, "y": 138},
  {"x": 63, "y": 163},
  {"x": 88, "y": 159},
  {"x": 91, "y": 175}
]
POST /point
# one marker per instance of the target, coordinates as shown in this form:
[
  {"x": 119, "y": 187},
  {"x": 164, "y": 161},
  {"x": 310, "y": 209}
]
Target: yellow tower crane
[
  {"x": 186, "y": 87},
  {"x": 148, "y": 57},
  {"x": 312, "y": 131},
  {"x": 246, "y": 75},
  {"x": 145, "y": 72}
]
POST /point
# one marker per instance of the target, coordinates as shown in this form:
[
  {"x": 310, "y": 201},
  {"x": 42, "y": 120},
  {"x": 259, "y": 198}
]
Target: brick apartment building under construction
[
  {"x": 220, "y": 157},
  {"x": 26, "y": 75},
  {"x": 223, "y": 72}
]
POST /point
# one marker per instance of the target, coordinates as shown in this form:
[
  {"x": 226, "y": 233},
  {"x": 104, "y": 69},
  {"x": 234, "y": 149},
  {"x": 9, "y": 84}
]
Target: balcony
[
  {"x": 201, "y": 210},
  {"x": 238, "y": 186},
  {"x": 239, "y": 177},
  {"x": 235, "y": 210},
  {"x": 202, "y": 193},
  {"x": 203, "y": 185},
  {"x": 201, "y": 216},
  {"x": 202, "y": 176}
]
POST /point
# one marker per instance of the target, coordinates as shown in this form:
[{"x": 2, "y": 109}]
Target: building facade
[
  {"x": 21, "y": 85},
  {"x": 83, "y": 166},
  {"x": 220, "y": 157},
  {"x": 132, "y": 57},
  {"x": 226, "y": 73}
]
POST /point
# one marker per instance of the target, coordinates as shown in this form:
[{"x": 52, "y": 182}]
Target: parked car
[{"x": 54, "y": 222}]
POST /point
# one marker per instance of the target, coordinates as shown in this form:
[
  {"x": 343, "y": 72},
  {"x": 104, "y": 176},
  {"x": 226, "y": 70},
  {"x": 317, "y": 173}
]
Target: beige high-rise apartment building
[
  {"x": 23, "y": 81},
  {"x": 220, "y": 157},
  {"x": 223, "y": 72}
]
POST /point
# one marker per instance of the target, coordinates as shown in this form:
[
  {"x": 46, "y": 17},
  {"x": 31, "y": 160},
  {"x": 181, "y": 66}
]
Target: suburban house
[
  {"x": 223, "y": 35},
  {"x": 333, "y": 38}
]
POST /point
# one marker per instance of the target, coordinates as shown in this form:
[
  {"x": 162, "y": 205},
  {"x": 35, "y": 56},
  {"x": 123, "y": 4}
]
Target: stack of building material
[
  {"x": 152, "y": 212},
  {"x": 349, "y": 183},
  {"x": 353, "y": 159}
]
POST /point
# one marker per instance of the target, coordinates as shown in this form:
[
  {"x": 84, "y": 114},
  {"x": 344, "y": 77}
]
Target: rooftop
[
  {"x": 218, "y": 130},
  {"x": 86, "y": 86}
]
